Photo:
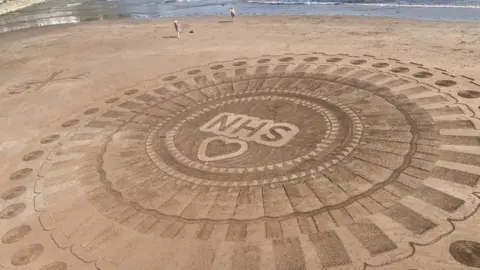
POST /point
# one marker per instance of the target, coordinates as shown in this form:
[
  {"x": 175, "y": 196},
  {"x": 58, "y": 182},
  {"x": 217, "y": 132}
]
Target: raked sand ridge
[{"x": 268, "y": 143}]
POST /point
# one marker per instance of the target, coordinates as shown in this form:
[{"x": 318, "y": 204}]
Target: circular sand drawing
[
  {"x": 466, "y": 252},
  {"x": 311, "y": 161}
]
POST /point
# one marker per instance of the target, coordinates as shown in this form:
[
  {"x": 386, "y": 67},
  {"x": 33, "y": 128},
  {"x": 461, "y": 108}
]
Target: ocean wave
[
  {"x": 300, "y": 2},
  {"x": 73, "y": 4}
]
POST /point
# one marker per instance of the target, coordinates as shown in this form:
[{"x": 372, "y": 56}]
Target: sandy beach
[{"x": 52, "y": 75}]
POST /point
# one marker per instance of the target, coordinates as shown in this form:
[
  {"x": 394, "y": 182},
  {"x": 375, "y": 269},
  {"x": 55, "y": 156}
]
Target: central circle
[
  {"x": 255, "y": 138},
  {"x": 269, "y": 125}
]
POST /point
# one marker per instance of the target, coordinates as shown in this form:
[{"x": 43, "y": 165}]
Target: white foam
[{"x": 73, "y": 4}]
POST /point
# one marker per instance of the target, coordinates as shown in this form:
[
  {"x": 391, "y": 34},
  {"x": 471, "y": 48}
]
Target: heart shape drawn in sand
[{"x": 226, "y": 143}]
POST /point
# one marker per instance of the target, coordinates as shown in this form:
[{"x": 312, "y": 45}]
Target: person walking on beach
[
  {"x": 177, "y": 28},
  {"x": 232, "y": 13}
]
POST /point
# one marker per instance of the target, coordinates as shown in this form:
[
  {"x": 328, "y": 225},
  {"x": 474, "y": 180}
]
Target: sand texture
[{"x": 268, "y": 143}]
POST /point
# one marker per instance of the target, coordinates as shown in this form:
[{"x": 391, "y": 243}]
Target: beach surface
[{"x": 68, "y": 93}]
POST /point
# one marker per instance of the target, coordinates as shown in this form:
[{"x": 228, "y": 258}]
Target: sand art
[{"x": 288, "y": 162}]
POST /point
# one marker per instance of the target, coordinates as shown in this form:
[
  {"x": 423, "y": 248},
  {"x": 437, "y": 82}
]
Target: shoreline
[
  {"x": 9, "y": 7},
  {"x": 64, "y": 12},
  {"x": 72, "y": 20}
]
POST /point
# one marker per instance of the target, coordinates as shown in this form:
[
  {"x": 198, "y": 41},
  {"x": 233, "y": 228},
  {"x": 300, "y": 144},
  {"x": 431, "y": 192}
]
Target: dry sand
[{"x": 48, "y": 75}]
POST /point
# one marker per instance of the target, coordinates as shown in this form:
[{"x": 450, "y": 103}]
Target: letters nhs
[{"x": 249, "y": 128}]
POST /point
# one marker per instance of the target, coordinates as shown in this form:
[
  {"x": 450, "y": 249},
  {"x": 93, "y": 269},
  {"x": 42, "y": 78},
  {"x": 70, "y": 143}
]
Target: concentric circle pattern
[
  {"x": 287, "y": 162},
  {"x": 466, "y": 252}
]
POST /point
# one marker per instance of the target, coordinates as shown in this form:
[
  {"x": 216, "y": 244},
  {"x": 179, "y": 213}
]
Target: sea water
[{"x": 74, "y": 11}]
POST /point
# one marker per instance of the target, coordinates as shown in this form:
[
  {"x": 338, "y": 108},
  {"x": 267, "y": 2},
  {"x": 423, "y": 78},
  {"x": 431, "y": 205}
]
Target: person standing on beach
[
  {"x": 177, "y": 28},
  {"x": 232, "y": 13}
]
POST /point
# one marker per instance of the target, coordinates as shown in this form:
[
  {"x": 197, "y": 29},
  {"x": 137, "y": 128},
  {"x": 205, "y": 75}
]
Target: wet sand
[{"x": 53, "y": 78}]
